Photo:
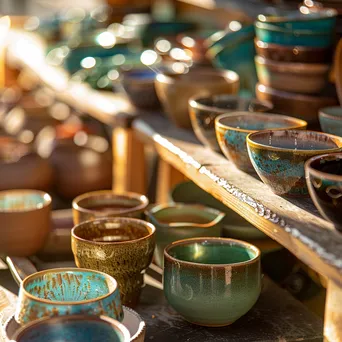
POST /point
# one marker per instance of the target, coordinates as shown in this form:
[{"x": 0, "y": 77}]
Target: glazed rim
[
  {"x": 321, "y": 174},
  {"x": 297, "y": 123},
  {"x": 57, "y": 321},
  {"x": 112, "y": 285},
  {"x": 108, "y": 193},
  {"x": 263, "y": 45},
  {"x": 219, "y": 215},
  {"x": 194, "y": 102},
  {"x": 149, "y": 226},
  {"x": 191, "y": 241},
  {"x": 291, "y": 150},
  {"x": 45, "y": 197},
  {"x": 322, "y": 112}
]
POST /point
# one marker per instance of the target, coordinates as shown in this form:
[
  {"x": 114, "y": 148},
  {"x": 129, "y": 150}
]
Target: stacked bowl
[{"x": 293, "y": 61}]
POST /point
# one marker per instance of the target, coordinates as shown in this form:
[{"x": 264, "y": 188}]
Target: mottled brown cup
[{"x": 121, "y": 247}]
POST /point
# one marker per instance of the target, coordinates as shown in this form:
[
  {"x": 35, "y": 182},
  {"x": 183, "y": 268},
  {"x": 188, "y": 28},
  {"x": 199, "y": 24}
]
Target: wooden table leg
[
  {"x": 333, "y": 313},
  {"x": 129, "y": 165}
]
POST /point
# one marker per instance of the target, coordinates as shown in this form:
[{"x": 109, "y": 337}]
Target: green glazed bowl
[
  {"x": 330, "y": 119},
  {"x": 212, "y": 281},
  {"x": 181, "y": 221}
]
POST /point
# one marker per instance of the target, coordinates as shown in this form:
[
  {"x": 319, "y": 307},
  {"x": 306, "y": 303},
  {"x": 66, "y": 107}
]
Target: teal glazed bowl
[
  {"x": 181, "y": 221},
  {"x": 232, "y": 130},
  {"x": 279, "y": 156},
  {"x": 212, "y": 281},
  {"x": 68, "y": 291},
  {"x": 271, "y": 34},
  {"x": 73, "y": 328},
  {"x": 330, "y": 119}
]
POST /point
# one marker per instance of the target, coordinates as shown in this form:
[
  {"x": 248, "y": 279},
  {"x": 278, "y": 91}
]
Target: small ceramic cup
[
  {"x": 74, "y": 328},
  {"x": 212, "y": 281},
  {"x": 180, "y": 221},
  {"x": 67, "y": 291},
  {"x": 330, "y": 119},
  {"x": 106, "y": 203},
  {"x": 122, "y": 247},
  {"x": 25, "y": 221}
]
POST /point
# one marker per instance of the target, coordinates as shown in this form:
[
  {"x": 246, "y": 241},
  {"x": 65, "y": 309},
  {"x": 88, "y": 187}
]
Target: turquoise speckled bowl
[
  {"x": 212, "y": 281},
  {"x": 330, "y": 119},
  {"x": 68, "y": 291},
  {"x": 73, "y": 328},
  {"x": 232, "y": 130},
  {"x": 279, "y": 156}
]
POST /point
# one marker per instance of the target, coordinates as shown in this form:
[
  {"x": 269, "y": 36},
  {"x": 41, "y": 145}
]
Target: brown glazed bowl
[
  {"x": 295, "y": 54},
  {"x": 338, "y": 70},
  {"x": 121, "y": 247},
  {"x": 204, "y": 110},
  {"x": 107, "y": 203},
  {"x": 294, "y": 77},
  {"x": 21, "y": 168},
  {"x": 305, "y": 107},
  {"x": 25, "y": 221},
  {"x": 175, "y": 90}
]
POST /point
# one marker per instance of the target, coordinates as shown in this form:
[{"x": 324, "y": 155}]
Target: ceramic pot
[
  {"x": 294, "y": 77},
  {"x": 232, "y": 130},
  {"x": 330, "y": 119},
  {"x": 107, "y": 203},
  {"x": 279, "y": 156},
  {"x": 175, "y": 90},
  {"x": 121, "y": 247},
  {"x": 25, "y": 217},
  {"x": 76, "y": 328},
  {"x": 180, "y": 221},
  {"x": 324, "y": 181},
  {"x": 212, "y": 281},
  {"x": 338, "y": 70},
  {"x": 204, "y": 110},
  {"x": 21, "y": 168}
]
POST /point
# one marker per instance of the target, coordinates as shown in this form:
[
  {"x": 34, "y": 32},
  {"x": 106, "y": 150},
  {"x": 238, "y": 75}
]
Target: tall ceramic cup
[{"x": 121, "y": 247}]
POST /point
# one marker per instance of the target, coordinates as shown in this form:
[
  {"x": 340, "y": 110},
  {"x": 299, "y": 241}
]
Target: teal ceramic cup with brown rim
[{"x": 212, "y": 281}]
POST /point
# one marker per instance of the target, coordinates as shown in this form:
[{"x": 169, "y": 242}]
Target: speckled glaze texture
[
  {"x": 68, "y": 291},
  {"x": 74, "y": 328},
  {"x": 214, "y": 294},
  {"x": 232, "y": 130},
  {"x": 121, "y": 247},
  {"x": 324, "y": 181},
  {"x": 330, "y": 119},
  {"x": 279, "y": 156},
  {"x": 84, "y": 206},
  {"x": 209, "y": 223}
]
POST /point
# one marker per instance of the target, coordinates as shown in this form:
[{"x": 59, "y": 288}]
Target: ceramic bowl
[
  {"x": 25, "y": 217},
  {"x": 272, "y": 34},
  {"x": 279, "y": 156},
  {"x": 324, "y": 181},
  {"x": 121, "y": 247},
  {"x": 175, "y": 90},
  {"x": 74, "y": 328},
  {"x": 204, "y": 110},
  {"x": 211, "y": 281},
  {"x": 106, "y": 203},
  {"x": 65, "y": 291},
  {"x": 338, "y": 70},
  {"x": 330, "y": 119},
  {"x": 294, "y": 77},
  {"x": 293, "y": 54},
  {"x": 181, "y": 221},
  {"x": 232, "y": 130},
  {"x": 304, "y": 107}
]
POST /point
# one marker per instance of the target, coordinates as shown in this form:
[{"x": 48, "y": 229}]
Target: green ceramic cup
[
  {"x": 181, "y": 221},
  {"x": 212, "y": 281}
]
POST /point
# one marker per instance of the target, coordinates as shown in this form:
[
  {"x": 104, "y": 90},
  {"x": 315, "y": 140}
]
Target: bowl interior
[
  {"x": 17, "y": 200},
  {"x": 212, "y": 252},
  {"x": 330, "y": 164},
  {"x": 333, "y": 111},
  {"x": 68, "y": 286}
]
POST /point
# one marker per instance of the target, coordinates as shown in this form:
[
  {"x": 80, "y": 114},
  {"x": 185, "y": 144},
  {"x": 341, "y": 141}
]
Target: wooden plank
[{"x": 295, "y": 224}]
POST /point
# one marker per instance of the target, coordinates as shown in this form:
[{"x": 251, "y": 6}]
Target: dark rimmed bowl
[
  {"x": 278, "y": 157},
  {"x": 330, "y": 119},
  {"x": 232, "y": 130},
  {"x": 212, "y": 281},
  {"x": 324, "y": 180},
  {"x": 204, "y": 110}
]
